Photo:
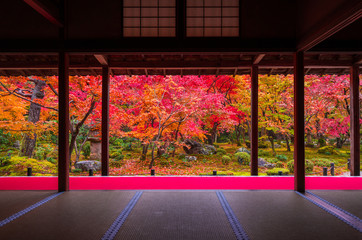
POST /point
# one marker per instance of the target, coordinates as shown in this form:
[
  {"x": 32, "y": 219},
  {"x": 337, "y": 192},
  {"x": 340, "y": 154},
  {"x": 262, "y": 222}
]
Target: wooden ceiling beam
[
  {"x": 48, "y": 11},
  {"x": 258, "y": 59},
  {"x": 102, "y": 59},
  {"x": 346, "y": 15}
]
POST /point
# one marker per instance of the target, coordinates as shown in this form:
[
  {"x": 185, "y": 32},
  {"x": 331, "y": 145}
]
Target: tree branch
[{"x": 24, "y": 98}]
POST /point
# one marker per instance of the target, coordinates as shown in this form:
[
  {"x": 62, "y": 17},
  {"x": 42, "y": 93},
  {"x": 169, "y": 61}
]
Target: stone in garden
[
  {"x": 95, "y": 146},
  {"x": 194, "y": 147},
  {"x": 191, "y": 158},
  {"x": 277, "y": 145},
  {"x": 17, "y": 144},
  {"x": 263, "y": 163},
  {"x": 87, "y": 165},
  {"x": 243, "y": 150}
]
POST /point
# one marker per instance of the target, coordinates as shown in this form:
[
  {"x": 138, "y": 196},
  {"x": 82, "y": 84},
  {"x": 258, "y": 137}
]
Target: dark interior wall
[
  {"x": 95, "y": 19},
  {"x": 268, "y": 19},
  {"x": 19, "y": 21},
  {"x": 312, "y": 13}
]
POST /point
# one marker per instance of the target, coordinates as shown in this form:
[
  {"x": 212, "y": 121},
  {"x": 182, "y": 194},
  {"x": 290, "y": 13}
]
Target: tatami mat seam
[
  {"x": 233, "y": 220},
  {"x": 117, "y": 224},
  {"x": 28, "y": 209},
  {"x": 355, "y": 222}
]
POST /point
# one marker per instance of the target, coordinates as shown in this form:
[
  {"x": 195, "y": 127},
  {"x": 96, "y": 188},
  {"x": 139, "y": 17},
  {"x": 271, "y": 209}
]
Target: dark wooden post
[
  {"x": 63, "y": 127},
  {"x": 254, "y": 120},
  {"x": 355, "y": 126},
  {"x": 299, "y": 155},
  {"x": 105, "y": 121}
]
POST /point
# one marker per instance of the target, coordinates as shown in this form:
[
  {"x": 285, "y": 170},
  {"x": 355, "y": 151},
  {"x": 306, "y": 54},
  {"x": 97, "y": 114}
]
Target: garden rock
[
  {"x": 277, "y": 145},
  {"x": 87, "y": 165},
  {"x": 243, "y": 150},
  {"x": 263, "y": 163},
  {"x": 194, "y": 147},
  {"x": 17, "y": 144},
  {"x": 190, "y": 158}
]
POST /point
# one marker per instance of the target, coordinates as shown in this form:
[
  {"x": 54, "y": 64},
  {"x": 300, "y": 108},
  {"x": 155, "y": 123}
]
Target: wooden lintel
[{"x": 45, "y": 11}]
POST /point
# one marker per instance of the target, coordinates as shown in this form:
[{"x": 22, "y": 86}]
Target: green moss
[
  {"x": 282, "y": 157},
  {"x": 308, "y": 166},
  {"x": 275, "y": 171},
  {"x": 225, "y": 159},
  {"x": 243, "y": 158},
  {"x": 328, "y": 150}
]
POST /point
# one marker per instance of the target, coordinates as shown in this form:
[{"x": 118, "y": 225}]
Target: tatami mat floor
[{"x": 176, "y": 215}]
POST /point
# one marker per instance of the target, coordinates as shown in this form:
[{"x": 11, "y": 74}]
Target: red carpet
[{"x": 181, "y": 182}]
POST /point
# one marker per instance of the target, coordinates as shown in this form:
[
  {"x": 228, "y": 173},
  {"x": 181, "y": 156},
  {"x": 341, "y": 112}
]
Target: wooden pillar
[
  {"x": 105, "y": 121},
  {"x": 355, "y": 126},
  {"x": 254, "y": 121},
  {"x": 299, "y": 154},
  {"x": 63, "y": 125}
]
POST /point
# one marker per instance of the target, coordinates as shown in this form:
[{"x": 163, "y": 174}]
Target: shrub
[
  {"x": 263, "y": 153},
  {"x": 279, "y": 164},
  {"x": 221, "y": 151},
  {"x": 17, "y": 166},
  {"x": 275, "y": 171},
  {"x": 247, "y": 143},
  {"x": 119, "y": 157},
  {"x": 262, "y": 144},
  {"x": 76, "y": 170},
  {"x": 328, "y": 150},
  {"x": 225, "y": 159},
  {"x": 86, "y": 150},
  {"x": 282, "y": 158},
  {"x": 52, "y": 160},
  {"x": 321, "y": 162},
  {"x": 273, "y": 160},
  {"x": 42, "y": 152},
  {"x": 242, "y": 157},
  {"x": 308, "y": 166},
  {"x": 322, "y": 142}
]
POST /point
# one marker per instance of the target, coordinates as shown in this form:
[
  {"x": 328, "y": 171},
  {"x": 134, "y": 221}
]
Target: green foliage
[
  {"x": 322, "y": 162},
  {"x": 243, "y": 158},
  {"x": 17, "y": 166},
  {"x": 116, "y": 154},
  {"x": 221, "y": 151},
  {"x": 273, "y": 160},
  {"x": 86, "y": 150},
  {"x": 264, "y": 153},
  {"x": 308, "y": 166},
  {"x": 322, "y": 142},
  {"x": 76, "y": 170},
  {"x": 279, "y": 164},
  {"x": 41, "y": 152},
  {"x": 6, "y": 139},
  {"x": 275, "y": 171},
  {"x": 328, "y": 150},
  {"x": 262, "y": 144},
  {"x": 52, "y": 160},
  {"x": 282, "y": 158},
  {"x": 225, "y": 159}
]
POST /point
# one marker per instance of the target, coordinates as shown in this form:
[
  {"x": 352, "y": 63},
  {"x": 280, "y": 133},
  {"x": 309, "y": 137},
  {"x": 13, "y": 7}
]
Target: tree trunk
[
  {"x": 339, "y": 142},
  {"x": 287, "y": 141},
  {"x": 152, "y": 156},
  {"x": 34, "y": 115},
  {"x": 144, "y": 151}
]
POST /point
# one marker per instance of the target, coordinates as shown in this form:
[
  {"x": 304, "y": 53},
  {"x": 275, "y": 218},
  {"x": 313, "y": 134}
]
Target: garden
[{"x": 190, "y": 125}]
